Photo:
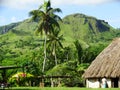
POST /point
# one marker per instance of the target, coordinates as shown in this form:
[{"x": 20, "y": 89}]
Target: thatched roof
[{"x": 107, "y": 63}]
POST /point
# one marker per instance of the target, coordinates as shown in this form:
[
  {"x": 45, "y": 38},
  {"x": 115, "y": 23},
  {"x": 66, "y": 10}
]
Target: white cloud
[
  {"x": 81, "y": 2},
  {"x": 13, "y": 19},
  {"x": 2, "y": 19},
  {"x": 25, "y": 4},
  {"x": 20, "y": 4}
]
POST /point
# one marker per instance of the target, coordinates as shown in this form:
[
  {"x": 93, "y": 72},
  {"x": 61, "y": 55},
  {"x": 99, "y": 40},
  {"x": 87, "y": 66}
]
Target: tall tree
[
  {"x": 54, "y": 42},
  {"x": 47, "y": 20},
  {"x": 79, "y": 50}
]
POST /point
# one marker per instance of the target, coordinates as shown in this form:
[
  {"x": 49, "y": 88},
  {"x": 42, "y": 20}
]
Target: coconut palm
[
  {"x": 47, "y": 20},
  {"x": 54, "y": 42}
]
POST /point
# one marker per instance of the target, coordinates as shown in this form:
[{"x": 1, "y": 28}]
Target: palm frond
[
  {"x": 60, "y": 44},
  {"x": 51, "y": 29},
  {"x": 36, "y": 15},
  {"x": 49, "y": 10},
  {"x": 57, "y": 18},
  {"x": 54, "y": 22},
  {"x": 40, "y": 28},
  {"x": 48, "y": 3},
  {"x": 56, "y": 10}
]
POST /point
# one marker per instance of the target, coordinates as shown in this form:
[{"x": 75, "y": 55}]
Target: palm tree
[
  {"x": 54, "y": 42},
  {"x": 47, "y": 20}
]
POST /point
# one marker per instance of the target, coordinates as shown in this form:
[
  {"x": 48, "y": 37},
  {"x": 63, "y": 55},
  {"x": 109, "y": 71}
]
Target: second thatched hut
[{"x": 106, "y": 65}]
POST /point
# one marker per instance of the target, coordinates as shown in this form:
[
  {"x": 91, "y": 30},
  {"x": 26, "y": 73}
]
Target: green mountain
[
  {"x": 6, "y": 28},
  {"x": 87, "y": 28},
  {"x": 75, "y": 26},
  {"x": 18, "y": 41}
]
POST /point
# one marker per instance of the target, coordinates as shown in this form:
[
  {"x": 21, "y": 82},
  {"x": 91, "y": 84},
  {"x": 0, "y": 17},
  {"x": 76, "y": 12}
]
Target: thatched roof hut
[{"x": 107, "y": 63}]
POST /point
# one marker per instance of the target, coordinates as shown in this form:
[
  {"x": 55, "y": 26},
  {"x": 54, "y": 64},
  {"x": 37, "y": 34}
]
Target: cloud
[
  {"x": 81, "y": 2},
  {"x": 25, "y": 4},
  {"x": 19, "y": 4},
  {"x": 13, "y": 19},
  {"x": 2, "y": 20}
]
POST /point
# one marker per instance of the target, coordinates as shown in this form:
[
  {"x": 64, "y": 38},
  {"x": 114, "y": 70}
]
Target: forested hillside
[
  {"x": 87, "y": 28},
  {"x": 83, "y": 38}
]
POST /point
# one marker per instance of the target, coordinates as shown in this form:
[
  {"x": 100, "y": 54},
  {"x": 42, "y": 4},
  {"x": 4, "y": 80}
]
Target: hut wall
[
  {"x": 109, "y": 83},
  {"x": 93, "y": 83}
]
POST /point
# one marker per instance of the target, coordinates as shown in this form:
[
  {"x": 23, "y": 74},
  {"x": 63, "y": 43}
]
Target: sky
[{"x": 12, "y": 11}]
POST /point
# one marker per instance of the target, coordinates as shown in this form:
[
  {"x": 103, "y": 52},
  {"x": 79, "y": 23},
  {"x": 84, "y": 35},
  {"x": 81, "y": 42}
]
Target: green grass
[{"x": 60, "y": 88}]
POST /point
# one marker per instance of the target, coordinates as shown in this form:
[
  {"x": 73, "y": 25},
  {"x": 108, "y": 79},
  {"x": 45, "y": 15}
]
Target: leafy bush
[{"x": 20, "y": 79}]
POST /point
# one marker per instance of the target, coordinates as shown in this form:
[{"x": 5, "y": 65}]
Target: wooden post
[
  {"x": 42, "y": 82},
  {"x": 52, "y": 84},
  {"x": 59, "y": 82}
]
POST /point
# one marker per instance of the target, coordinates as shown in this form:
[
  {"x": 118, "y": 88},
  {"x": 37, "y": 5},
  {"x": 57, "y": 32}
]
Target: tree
[
  {"x": 79, "y": 50},
  {"x": 54, "y": 42},
  {"x": 47, "y": 20},
  {"x": 2, "y": 52}
]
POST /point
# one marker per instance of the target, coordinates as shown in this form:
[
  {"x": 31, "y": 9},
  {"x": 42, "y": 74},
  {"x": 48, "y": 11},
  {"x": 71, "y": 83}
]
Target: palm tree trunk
[
  {"x": 55, "y": 59},
  {"x": 45, "y": 55},
  {"x": 55, "y": 55}
]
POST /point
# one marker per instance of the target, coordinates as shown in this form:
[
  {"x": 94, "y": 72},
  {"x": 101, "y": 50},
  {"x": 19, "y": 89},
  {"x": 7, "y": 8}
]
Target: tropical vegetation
[{"x": 64, "y": 48}]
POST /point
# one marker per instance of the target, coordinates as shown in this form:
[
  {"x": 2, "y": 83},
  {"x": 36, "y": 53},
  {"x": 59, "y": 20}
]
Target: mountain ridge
[
  {"x": 86, "y": 27},
  {"x": 74, "y": 26}
]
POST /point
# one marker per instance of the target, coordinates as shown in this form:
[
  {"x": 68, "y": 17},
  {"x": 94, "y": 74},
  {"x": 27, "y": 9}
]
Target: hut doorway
[{"x": 115, "y": 82}]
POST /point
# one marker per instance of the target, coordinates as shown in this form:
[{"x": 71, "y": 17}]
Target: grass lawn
[{"x": 59, "y": 88}]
